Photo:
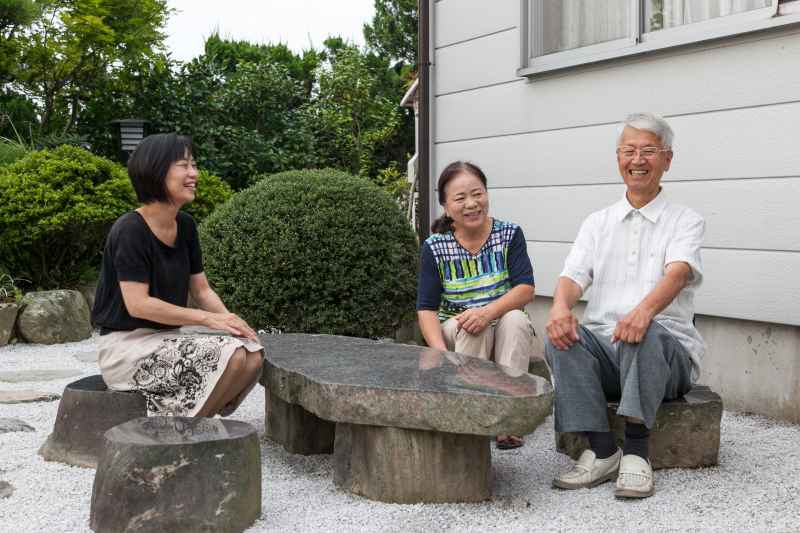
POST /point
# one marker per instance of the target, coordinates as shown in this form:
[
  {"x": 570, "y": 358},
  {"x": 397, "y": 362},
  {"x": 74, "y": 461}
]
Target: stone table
[
  {"x": 412, "y": 424},
  {"x": 176, "y": 474}
]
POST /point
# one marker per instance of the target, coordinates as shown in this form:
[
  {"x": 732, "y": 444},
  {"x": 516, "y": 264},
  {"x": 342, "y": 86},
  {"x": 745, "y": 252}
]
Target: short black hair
[{"x": 149, "y": 164}]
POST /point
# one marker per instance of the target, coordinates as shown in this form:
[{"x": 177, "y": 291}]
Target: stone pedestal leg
[
  {"x": 297, "y": 430},
  {"x": 412, "y": 466}
]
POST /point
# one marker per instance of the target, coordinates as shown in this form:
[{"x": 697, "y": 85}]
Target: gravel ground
[{"x": 755, "y": 488}]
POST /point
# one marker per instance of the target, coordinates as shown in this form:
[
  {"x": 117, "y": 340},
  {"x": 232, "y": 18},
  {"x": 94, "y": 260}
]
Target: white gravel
[{"x": 755, "y": 488}]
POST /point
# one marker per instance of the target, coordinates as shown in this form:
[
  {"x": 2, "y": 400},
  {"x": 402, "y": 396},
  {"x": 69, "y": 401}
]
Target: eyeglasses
[
  {"x": 186, "y": 164},
  {"x": 648, "y": 152}
]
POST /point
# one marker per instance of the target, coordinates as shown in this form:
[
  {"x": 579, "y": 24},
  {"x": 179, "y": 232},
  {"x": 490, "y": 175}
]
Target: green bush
[
  {"x": 211, "y": 192},
  {"x": 11, "y": 152},
  {"x": 313, "y": 251},
  {"x": 57, "y": 207}
]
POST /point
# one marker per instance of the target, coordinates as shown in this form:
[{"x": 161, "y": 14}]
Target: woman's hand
[
  {"x": 474, "y": 320},
  {"x": 232, "y": 324}
]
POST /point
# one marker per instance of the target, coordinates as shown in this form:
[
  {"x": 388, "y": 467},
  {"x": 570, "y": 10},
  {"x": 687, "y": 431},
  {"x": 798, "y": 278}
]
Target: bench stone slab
[
  {"x": 685, "y": 435},
  {"x": 165, "y": 474}
]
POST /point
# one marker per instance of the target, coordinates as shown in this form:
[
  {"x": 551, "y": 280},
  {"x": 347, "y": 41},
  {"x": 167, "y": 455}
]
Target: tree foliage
[
  {"x": 252, "y": 109},
  {"x": 75, "y": 45},
  {"x": 393, "y": 31},
  {"x": 353, "y": 119},
  {"x": 15, "y": 17}
]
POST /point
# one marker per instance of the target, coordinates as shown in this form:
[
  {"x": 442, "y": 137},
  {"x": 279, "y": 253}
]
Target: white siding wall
[{"x": 547, "y": 146}]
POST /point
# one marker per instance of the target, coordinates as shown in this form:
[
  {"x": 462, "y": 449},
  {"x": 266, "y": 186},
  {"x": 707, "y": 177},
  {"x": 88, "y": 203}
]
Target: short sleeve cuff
[
  {"x": 580, "y": 278},
  {"x": 694, "y": 265},
  {"x": 127, "y": 275},
  {"x": 524, "y": 280}
]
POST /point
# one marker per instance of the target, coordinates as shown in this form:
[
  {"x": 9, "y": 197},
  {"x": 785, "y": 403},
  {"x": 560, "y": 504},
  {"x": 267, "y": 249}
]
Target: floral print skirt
[{"x": 175, "y": 369}]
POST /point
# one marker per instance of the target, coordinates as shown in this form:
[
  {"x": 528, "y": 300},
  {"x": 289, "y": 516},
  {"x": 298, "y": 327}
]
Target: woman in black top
[{"x": 151, "y": 263}]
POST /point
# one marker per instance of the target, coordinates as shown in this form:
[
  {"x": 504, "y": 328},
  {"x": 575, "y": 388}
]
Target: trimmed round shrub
[
  {"x": 56, "y": 208},
  {"x": 314, "y": 251}
]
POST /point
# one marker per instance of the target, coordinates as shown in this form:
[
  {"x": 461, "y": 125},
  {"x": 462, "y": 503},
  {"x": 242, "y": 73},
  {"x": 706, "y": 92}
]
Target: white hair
[{"x": 652, "y": 123}]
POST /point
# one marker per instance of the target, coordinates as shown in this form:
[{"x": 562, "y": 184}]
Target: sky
[{"x": 293, "y": 22}]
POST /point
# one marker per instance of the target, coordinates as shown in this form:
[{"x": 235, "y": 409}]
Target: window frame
[{"x": 780, "y": 13}]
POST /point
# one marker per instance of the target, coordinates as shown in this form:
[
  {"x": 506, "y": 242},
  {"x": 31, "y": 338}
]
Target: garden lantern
[{"x": 131, "y": 132}]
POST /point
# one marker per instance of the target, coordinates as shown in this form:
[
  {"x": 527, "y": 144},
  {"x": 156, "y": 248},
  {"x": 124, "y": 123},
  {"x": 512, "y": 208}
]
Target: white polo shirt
[{"x": 621, "y": 252}]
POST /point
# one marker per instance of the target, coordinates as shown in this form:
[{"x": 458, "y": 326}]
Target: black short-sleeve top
[{"x": 133, "y": 253}]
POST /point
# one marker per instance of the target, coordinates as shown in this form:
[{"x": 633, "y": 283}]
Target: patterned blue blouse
[{"x": 451, "y": 279}]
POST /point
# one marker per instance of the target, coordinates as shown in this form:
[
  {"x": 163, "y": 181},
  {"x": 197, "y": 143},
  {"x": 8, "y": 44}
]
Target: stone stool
[
  {"x": 178, "y": 475},
  {"x": 685, "y": 434},
  {"x": 86, "y": 411}
]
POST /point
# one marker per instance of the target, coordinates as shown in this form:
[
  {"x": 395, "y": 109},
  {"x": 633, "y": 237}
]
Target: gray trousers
[{"x": 593, "y": 371}]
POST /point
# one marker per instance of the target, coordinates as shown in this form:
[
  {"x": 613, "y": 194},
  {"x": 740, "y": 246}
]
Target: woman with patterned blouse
[{"x": 475, "y": 278}]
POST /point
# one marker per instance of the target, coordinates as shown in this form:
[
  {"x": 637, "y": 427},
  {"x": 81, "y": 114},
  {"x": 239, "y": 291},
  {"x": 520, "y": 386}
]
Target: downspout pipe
[{"x": 424, "y": 133}]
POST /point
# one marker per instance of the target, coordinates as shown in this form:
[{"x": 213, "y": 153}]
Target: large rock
[
  {"x": 685, "y": 434},
  {"x": 89, "y": 293},
  {"x": 86, "y": 411},
  {"x": 53, "y": 317},
  {"x": 165, "y": 474},
  {"x": 8, "y": 317}
]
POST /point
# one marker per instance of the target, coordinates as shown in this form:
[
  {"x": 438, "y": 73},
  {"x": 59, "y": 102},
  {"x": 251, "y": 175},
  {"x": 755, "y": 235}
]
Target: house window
[
  {"x": 665, "y": 14},
  {"x": 558, "y": 34}
]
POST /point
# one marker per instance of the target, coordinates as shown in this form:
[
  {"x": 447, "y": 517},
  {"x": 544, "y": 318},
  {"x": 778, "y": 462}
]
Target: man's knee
[{"x": 655, "y": 342}]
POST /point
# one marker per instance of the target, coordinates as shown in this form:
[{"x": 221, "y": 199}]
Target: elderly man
[{"x": 637, "y": 342}]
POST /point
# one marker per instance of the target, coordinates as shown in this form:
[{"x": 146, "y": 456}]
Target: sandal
[{"x": 509, "y": 442}]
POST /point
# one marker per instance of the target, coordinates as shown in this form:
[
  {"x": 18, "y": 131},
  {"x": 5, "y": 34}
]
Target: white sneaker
[
  {"x": 635, "y": 478},
  {"x": 589, "y": 471}
]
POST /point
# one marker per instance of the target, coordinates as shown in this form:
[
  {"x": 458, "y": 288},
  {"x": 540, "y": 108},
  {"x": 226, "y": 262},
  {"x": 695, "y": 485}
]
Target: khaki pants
[{"x": 510, "y": 340}]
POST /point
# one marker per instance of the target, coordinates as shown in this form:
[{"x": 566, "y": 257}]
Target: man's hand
[
  {"x": 562, "y": 327},
  {"x": 633, "y": 326},
  {"x": 474, "y": 320}
]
